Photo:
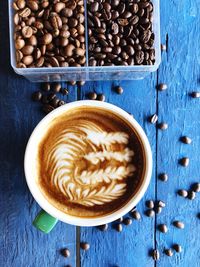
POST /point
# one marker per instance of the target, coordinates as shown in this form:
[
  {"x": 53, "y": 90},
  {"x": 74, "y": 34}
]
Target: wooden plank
[
  {"x": 129, "y": 248},
  {"x": 180, "y": 70}
]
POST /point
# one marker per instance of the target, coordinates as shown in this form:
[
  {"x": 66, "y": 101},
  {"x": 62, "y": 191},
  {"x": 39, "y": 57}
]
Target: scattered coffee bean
[
  {"x": 46, "y": 87},
  {"x": 101, "y": 97},
  {"x": 45, "y": 99},
  {"x": 155, "y": 255},
  {"x": 163, "y": 228},
  {"x": 56, "y": 87},
  {"x": 54, "y": 102},
  {"x": 65, "y": 91},
  {"x": 72, "y": 83},
  {"x": 196, "y": 187},
  {"x": 81, "y": 83},
  {"x": 186, "y": 140},
  {"x": 195, "y": 94},
  {"x": 168, "y": 252},
  {"x": 162, "y": 126},
  {"x": 65, "y": 252},
  {"x": 119, "y": 227},
  {"x": 149, "y": 204},
  {"x": 163, "y": 177},
  {"x": 150, "y": 213},
  {"x": 163, "y": 47},
  {"x": 191, "y": 195},
  {"x": 47, "y": 108},
  {"x": 127, "y": 221},
  {"x": 37, "y": 96},
  {"x": 92, "y": 96},
  {"x": 119, "y": 90},
  {"x": 61, "y": 103},
  {"x": 136, "y": 215},
  {"x": 153, "y": 119},
  {"x": 179, "y": 224},
  {"x": 85, "y": 245},
  {"x": 161, "y": 204},
  {"x": 182, "y": 193},
  {"x": 184, "y": 161},
  {"x": 177, "y": 248},
  {"x": 133, "y": 209},
  {"x": 103, "y": 227},
  {"x": 120, "y": 219},
  {"x": 158, "y": 210},
  {"x": 162, "y": 87}
]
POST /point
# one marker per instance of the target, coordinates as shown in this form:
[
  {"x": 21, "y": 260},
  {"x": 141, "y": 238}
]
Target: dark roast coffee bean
[
  {"x": 119, "y": 227},
  {"x": 92, "y": 96},
  {"x": 163, "y": 177},
  {"x": 54, "y": 102},
  {"x": 65, "y": 252},
  {"x": 153, "y": 119},
  {"x": 186, "y": 140},
  {"x": 158, "y": 210},
  {"x": 119, "y": 90},
  {"x": 136, "y": 215},
  {"x": 61, "y": 103},
  {"x": 101, "y": 97},
  {"x": 103, "y": 227},
  {"x": 72, "y": 83},
  {"x": 45, "y": 99},
  {"x": 163, "y": 126},
  {"x": 85, "y": 245},
  {"x": 168, "y": 252},
  {"x": 182, "y": 193},
  {"x": 184, "y": 162},
  {"x": 47, "y": 108},
  {"x": 177, "y": 248},
  {"x": 162, "y": 87},
  {"x": 37, "y": 96},
  {"x": 162, "y": 228},
  {"x": 46, "y": 87},
  {"x": 150, "y": 213},
  {"x": 155, "y": 255},
  {"x": 56, "y": 87},
  {"x": 191, "y": 195},
  {"x": 149, "y": 204},
  {"x": 196, "y": 187},
  {"x": 65, "y": 91},
  {"x": 120, "y": 219},
  {"x": 51, "y": 96},
  {"x": 127, "y": 221},
  {"x": 179, "y": 224},
  {"x": 195, "y": 94},
  {"x": 81, "y": 83}
]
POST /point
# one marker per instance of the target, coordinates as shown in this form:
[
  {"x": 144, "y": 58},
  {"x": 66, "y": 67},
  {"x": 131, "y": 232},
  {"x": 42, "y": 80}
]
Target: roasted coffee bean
[
  {"x": 196, "y": 187},
  {"x": 72, "y": 83},
  {"x": 85, "y": 245},
  {"x": 54, "y": 102},
  {"x": 184, "y": 162},
  {"x": 119, "y": 227},
  {"x": 37, "y": 96},
  {"x": 51, "y": 96},
  {"x": 161, "y": 204},
  {"x": 195, "y": 94},
  {"x": 65, "y": 91},
  {"x": 136, "y": 215},
  {"x": 179, "y": 224},
  {"x": 61, "y": 103},
  {"x": 163, "y": 126},
  {"x": 47, "y": 108},
  {"x": 191, "y": 195},
  {"x": 46, "y": 87},
  {"x": 162, "y": 87},
  {"x": 177, "y": 248},
  {"x": 119, "y": 90},
  {"x": 162, "y": 228},
  {"x": 163, "y": 177},
  {"x": 65, "y": 252},
  {"x": 155, "y": 255},
  {"x": 153, "y": 119},
  {"x": 120, "y": 219},
  {"x": 19, "y": 44},
  {"x": 27, "y": 60},
  {"x": 158, "y": 210},
  {"x": 27, "y": 50},
  {"x": 101, "y": 97},
  {"x": 149, "y": 204},
  {"x": 168, "y": 252},
  {"x": 103, "y": 227},
  {"x": 92, "y": 96},
  {"x": 182, "y": 193},
  {"x": 127, "y": 221},
  {"x": 150, "y": 213},
  {"x": 56, "y": 87},
  {"x": 27, "y": 32},
  {"x": 186, "y": 140}
]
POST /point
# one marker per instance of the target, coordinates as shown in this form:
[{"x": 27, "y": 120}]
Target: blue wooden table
[{"x": 24, "y": 246}]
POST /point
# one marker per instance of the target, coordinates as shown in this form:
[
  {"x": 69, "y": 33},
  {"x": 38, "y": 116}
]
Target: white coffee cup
[{"x": 45, "y": 220}]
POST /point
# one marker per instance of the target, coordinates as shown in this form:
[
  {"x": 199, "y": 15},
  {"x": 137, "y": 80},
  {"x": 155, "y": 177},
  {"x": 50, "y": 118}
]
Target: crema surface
[{"x": 90, "y": 162}]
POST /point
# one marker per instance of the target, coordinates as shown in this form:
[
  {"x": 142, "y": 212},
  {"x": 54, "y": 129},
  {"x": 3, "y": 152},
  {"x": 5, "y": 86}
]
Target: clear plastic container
[{"x": 88, "y": 73}]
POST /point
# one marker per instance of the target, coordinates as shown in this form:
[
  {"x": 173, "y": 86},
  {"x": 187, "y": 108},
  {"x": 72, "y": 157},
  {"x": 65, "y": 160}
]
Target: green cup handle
[{"x": 44, "y": 222}]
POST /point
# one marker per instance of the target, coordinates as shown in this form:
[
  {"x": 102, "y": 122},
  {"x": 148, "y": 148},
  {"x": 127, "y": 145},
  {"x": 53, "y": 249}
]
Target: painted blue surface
[{"x": 22, "y": 246}]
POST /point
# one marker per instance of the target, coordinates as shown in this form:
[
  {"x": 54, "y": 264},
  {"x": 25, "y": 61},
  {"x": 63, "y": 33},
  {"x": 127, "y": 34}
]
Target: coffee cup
[{"x": 72, "y": 213}]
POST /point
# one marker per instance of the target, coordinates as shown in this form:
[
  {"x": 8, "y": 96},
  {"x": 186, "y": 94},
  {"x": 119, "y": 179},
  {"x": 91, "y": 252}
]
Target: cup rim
[{"x": 83, "y": 221}]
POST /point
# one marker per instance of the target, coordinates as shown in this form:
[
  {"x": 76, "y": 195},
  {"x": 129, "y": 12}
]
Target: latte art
[
  {"x": 74, "y": 164},
  {"x": 89, "y": 162}
]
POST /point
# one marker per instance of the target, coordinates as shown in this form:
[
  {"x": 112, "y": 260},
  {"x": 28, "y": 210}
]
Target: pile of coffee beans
[
  {"x": 120, "y": 32},
  {"x": 49, "y": 33}
]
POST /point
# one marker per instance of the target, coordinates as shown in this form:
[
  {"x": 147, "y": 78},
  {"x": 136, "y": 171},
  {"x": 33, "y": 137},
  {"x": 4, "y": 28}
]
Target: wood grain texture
[
  {"x": 129, "y": 248},
  {"x": 180, "y": 69}
]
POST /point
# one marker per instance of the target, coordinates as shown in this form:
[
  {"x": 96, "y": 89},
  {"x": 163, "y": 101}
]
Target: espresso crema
[{"x": 90, "y": 162}]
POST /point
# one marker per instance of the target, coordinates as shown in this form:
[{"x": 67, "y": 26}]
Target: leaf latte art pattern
[{"x": 88, "y": 165}]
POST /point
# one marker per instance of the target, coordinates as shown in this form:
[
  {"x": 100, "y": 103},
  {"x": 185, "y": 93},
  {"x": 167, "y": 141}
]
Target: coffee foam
[{"x": 86, "y": 161}]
